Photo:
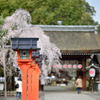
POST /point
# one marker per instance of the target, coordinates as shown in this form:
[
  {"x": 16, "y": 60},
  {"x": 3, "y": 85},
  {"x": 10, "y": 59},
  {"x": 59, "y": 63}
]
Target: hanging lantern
[
  {"x": 75, "y": 66},
  {"x": 69, "y": 66},
  {"x": 80, "y": 66},
  {"x": 65, "y": 66}
]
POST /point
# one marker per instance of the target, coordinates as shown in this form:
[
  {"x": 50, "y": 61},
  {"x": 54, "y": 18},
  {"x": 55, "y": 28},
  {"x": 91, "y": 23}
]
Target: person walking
[
  {"x": 18, "y": 87},
  {"x": 42, "y": 81},
  {"x": 78, "y": 84}
]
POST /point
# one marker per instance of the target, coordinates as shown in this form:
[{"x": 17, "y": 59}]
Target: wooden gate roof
[{"x": 74, "y": 39}]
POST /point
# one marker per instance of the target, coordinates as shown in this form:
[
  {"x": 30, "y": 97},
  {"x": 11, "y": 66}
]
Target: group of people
[{"x": 18, "y": 86}]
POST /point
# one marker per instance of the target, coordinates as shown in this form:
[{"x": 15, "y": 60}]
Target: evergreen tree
[{"x": 71, "y": 12}]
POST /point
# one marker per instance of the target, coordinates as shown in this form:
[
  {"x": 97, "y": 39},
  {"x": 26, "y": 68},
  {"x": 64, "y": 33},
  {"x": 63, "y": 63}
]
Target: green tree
[
  {"x": 99, "y": 28},
  {"x": 1, "y": 71},
  {"x": 71, "y": 12}
]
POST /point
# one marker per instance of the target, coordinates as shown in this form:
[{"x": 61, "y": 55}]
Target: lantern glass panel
[{"x": 24, "y": 54}]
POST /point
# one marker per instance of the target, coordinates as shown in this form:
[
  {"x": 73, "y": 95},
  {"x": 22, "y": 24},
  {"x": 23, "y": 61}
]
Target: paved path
[
  {"x": 8, "y": 98},
  {"x": 60, "y": 93},
  {"x": 63, "y": 96},
  {"x": 67, "y": 96},
  {"x": 64, "y": 93}
]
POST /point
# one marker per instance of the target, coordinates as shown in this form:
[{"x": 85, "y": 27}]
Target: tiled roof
[{"x": 82, "y": 28}]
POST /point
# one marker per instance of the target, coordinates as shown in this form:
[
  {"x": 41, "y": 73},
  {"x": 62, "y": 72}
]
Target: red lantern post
[{"x": 29, "y": 67}]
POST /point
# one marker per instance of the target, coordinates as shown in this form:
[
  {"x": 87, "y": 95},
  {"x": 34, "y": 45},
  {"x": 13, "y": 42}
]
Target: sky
[{"x": 96, "y": 5}]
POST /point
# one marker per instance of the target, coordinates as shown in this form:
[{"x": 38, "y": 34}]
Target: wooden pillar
[
  {"x": 84, "y": 80},
  {"x": 84, "y": 72},
  {"x": 35, "y": 83},
  {"x": 24, "y": 81},
  {"x": 30, "y": 84}
]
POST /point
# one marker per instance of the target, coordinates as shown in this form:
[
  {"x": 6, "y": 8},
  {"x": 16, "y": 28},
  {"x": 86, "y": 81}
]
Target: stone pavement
[
  {"x": 8, "y": 98},
  {"x": 64, "y": 93},
  {"x": 62, "y": 96},
  {"x": 60, "y": 93},
  {"x": 67, "y": 96}
]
